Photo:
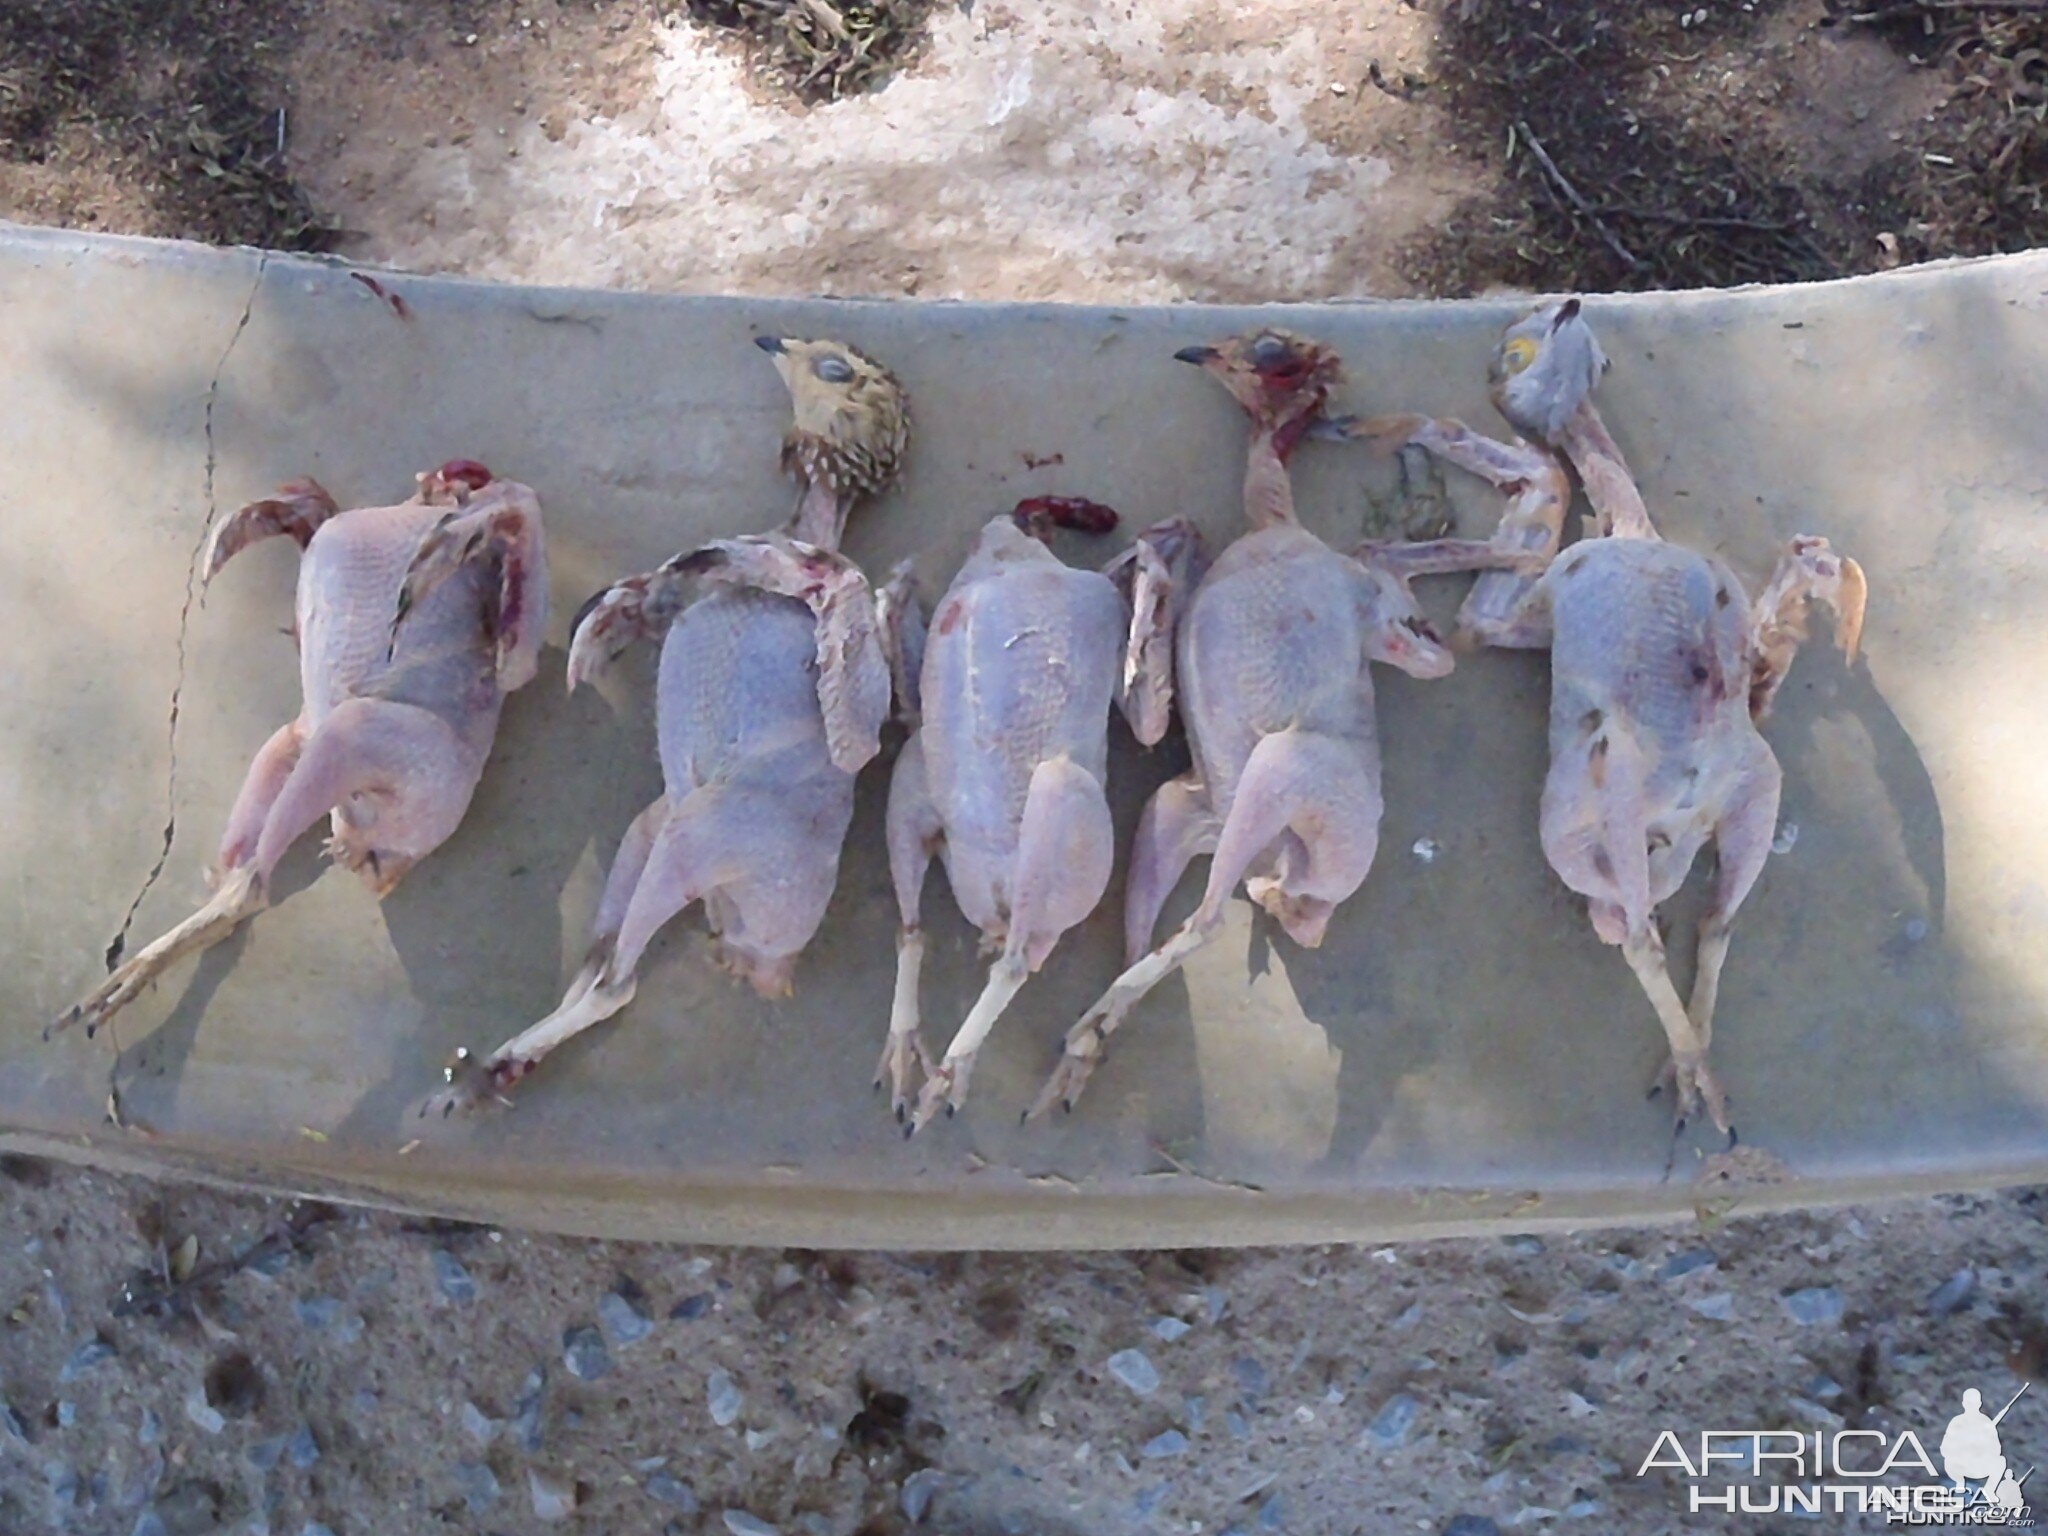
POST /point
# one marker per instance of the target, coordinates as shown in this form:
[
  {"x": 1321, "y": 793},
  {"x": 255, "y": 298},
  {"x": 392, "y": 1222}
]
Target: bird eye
[
  {"x": 833, "y": 370},
  {"x": 1270, "y": 352},
  {"x": 1518, "y": 354}
]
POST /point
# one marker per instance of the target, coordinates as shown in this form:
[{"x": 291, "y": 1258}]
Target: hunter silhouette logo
[{"x": 1971, "y": 1452}]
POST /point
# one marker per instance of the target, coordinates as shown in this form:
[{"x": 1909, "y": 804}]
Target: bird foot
[
  {"x": 945, "y": 1085},
  {"x": 1083, "y": 1054},
  {"x": 904, "y": 1060},
  {"x": 472, "y": 1084},
  {"x": 1692, "y": 1085}
]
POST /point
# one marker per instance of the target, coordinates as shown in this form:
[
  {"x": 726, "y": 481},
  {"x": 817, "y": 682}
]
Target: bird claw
[
  {"x": 904, "y": 1060},
  {"x": 1692, "y": 1086},
  {"x": 945, "y": 1085},
  {"x": 471, "y": 1084},
  {"x": 1083, "y": 1054}
]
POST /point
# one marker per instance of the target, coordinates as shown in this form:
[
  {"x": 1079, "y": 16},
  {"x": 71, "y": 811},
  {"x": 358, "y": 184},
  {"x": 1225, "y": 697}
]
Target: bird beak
[
  {"x": 1201, "y": 357},
  {"x": 1567, "y": 312},
  {"x": 774, "y": 344}
]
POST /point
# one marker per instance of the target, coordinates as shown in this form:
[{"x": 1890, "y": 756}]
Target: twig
[
  {"x": 1936, "y": 7},
  {"x": 1571, "y": 195},
  {"x": 1702, "y": 221}
]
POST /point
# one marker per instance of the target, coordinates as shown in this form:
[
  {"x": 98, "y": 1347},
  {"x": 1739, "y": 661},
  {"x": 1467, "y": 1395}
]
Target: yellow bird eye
[{"x": 1518, "y": 354}]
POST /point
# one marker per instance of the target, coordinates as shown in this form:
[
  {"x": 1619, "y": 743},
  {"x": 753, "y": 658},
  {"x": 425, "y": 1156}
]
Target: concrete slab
[{"x": 1461, "y": 1053}]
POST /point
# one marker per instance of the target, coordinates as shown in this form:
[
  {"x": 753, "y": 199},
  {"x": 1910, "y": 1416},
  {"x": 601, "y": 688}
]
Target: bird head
[
  {"x": 1282, "y": 380},
  {"x": 1398, "y": 632},
  {"x": 1545, "y": 366},
  {"x": 851, "y": 416}
]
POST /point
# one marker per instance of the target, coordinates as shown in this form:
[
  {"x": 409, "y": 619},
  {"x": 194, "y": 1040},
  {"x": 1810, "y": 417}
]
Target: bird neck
[
  {"x": 820, "y": 516},
  {"x": 1610, "y": 485},
  {"x": 1268, "y": 488}
]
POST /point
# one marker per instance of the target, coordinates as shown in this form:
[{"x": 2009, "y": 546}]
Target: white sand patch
[{"x": 1149, "y": 151}]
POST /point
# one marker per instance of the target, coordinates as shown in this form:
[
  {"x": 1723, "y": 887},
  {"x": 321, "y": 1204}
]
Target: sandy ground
[{"x": 177, "y": 1360}]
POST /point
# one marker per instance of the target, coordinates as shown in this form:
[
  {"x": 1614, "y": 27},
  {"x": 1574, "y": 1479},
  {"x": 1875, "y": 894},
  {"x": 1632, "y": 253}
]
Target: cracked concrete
[{"x": 119, "y": 944}]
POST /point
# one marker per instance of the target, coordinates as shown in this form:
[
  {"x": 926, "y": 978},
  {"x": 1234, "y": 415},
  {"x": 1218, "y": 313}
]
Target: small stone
[
  {"x": 149, "y": 1523},
  {"x": 1824, "y": 1387},
  {"x": 1391, "y": 1425},
  {"x": 270, "y": 1263},
  {"x": 552, "y": 1500},
  {"x": 622, "y": 1320},
  {"x": 151, "y": 1430},
  {"x": 722, "y": 1397},
  {"x": 1426, "y": 850},
  {"x": 1251, "y": 1376},
  {"x": 1217, "y": 1303},
  {"x": 1273, "y": 1514},
  {"x": 757, "y": 1438},
  {"x": 740, "y": 1523},
  {"x": 365, "y": 1400},
  {"x": 690, "y": 1308},
  {"x": 304, "y": 1450},
  {"x": 916, "y": 1498},
  {"x": 1719, "y": 1305},
  {"x": 1197, "y": 1408},
  {"x": 264, "y": 1455},
  {"x": 1130, "y": 1367},
  {"x": 583, "y": 1352},
  {"x": 477, "y": 1424},
  {"x": 318, "y": 1311},
  {"x": 1786, "y": 840},
  {"x": 11, "y": 1422},
  {"x": 67, "y": 1414},
  {"x": 92, "y": 1352},
  {"x": 1582, "y": 1509},
  {"x": 1167, "y": 1329},
  {"x": 1579, "y": 1406},
  {"x": 1814, "y": 1304},
  {"x": 1469, "y": 1525},
  {"x": 1692, "y": 1259},
  {"x": 479, "y": 1485},
  {"x": 1147, "y": 1503},
  {"x": 1170, "y": 1443},
  {"x": 350, "y": 1328},
  {"x": 670, "y": 1490},
  {"x": 63, "y": 1484},
  {"x": 1954, "y": 1294},
  {"x": 204, "y": 1414},
  {"x": 1523, "y": 1243},
  {"x": 1234, "y": 1422},
  {"x": 456, "y": 1282},
  {"x": 525, "y": 1421}
]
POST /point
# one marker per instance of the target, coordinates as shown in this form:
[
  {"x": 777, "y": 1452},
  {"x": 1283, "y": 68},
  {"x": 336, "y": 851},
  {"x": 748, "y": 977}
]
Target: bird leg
[
  {"x": 1178, "y": 826},
  {"x": 499, "y": 524},
  {"x": 1315, "y": 787},
  {"x": 239, "y": 897},
  {"x": 1742, "y": 842},
  {"x": 296, "y": 511},
  {"x": 1808, "y": 572},
  {"x": 1065, "y": 846},
  {"x": 1156, "y": 577},
  {"x": 671, "y": 856},
  {"x": 915, "y": 834}
]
